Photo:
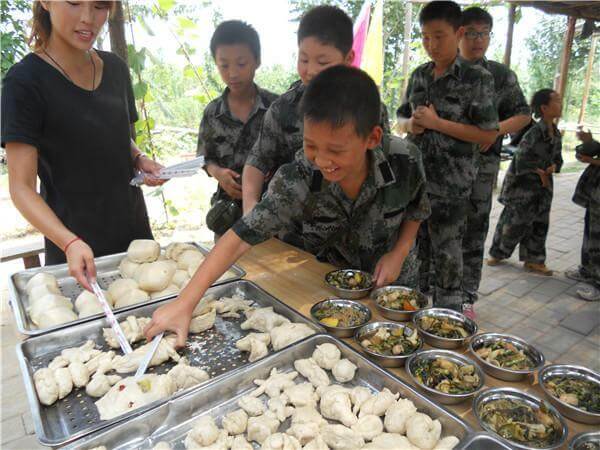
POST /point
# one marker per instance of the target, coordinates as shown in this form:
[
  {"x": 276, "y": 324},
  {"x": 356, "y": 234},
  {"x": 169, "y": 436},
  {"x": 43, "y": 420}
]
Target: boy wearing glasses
[{"x": 513, "y": 114}]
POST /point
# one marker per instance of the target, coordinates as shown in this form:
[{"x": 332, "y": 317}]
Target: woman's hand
[
  {"x": 175, "y": 317},
  {"x": 80, "y": 260},
  {"x": 151, "y": 170},
  {"x": 229, "y": 180}
]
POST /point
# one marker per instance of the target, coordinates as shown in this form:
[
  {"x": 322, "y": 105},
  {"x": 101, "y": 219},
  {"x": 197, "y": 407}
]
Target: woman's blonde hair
[{"x": 41, "y": 27}]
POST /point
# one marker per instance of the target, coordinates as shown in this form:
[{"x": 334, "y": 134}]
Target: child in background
[
  {"x": 359, "y": 201},
  {"x": 230, "y": 123},
  {"x": 527, "y": 188}
]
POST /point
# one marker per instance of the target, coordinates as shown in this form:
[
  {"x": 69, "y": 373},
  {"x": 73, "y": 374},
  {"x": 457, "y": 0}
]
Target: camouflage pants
[
  {"x": 478, "y": 222},
  {"x": 409, "y": 276},
  {"x": 590, "y": 250},
  {"x": 525, "y": 226},
  {"x": 440, "y": 245}
]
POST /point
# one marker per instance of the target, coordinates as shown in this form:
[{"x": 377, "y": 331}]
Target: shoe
[
  {"x": 576, "y": 275},
  {"x": 590, "y": 294},
  {"x": 539, "y": 268},
  {"x": 491, "y": 261},
  {"x": 468, "y": 310}
]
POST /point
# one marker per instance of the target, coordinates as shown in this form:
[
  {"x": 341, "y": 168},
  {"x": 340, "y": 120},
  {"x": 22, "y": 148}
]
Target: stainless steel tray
[
  {"x": 482, "y": 441},
  {"x": 76, "y": 415},
  {"x": 108, "y": 271},
  {"x": 171, "y": 421}
]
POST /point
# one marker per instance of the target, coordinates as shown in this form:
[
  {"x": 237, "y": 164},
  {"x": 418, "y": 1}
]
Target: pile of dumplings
[
  {"x": 47, "y": 306},
  {"x": 323, "y": 415}
]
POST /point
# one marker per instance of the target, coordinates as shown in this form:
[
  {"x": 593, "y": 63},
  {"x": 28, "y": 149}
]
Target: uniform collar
[
  {"x": 223, "y": 106},
  {"x": 455, "y": 69},
  {"x": 545, "y": 131},
  {"x": 298, "y": 89}
]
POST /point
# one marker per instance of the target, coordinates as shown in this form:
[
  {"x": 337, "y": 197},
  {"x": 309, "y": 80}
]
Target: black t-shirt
[{"x": 83, "y": 142}]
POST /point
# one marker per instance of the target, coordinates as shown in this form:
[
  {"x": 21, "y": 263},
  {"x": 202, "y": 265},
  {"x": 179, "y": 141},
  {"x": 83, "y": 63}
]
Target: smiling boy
[{"x": 359, "y": 200}]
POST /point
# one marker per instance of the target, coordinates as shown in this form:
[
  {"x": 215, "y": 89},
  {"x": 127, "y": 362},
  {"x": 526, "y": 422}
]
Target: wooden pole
[
  {"x": 407, "y": 40},
  {"x": 588, "y": 76},
  {"x": 116, "y": 30},
  {"x": 566, "y": 56},
  {"x": 509, "y": 34}
]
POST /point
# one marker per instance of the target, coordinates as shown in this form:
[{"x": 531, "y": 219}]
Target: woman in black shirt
[{"x": 66, "y": 116}]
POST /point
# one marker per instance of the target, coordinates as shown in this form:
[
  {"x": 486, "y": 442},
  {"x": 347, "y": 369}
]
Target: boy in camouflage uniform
[
  {"x": 448, "y": 111},
  {"x": 359, "y": 203},
  {"x": 528, "y": 188},
  {"x": 230, "y": 123},
  {"x": 587, "y": 194},
  {"x": 514, "y": 114}
]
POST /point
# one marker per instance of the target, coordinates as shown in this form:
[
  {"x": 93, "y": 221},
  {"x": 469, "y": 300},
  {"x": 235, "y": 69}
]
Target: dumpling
[
  {"x": 263, "y": 320},
  {"x": 447, "y": 443},
  {"x": 180, "y": 278},
  {"x": 41, "y": 290},
  {"x": 102, "y": 360},
  {"x": 133, "y": 329},
  {"x": 397, "y": 415},
  {"x": 256, "y": 344},
  {"x": 81, "y": 354},
  {"x": 230, "y": 306},
  {"x": 120, "y": 287},
  {"x": 186, "y": 376},
  {"x": 390, "y": 441},
  {"x": 304, "y": 432},
  {"x": 359, "y": 395},
  {"x": 368, "y": 427},
  {"x": 252, "y": 405},
  {"x": 155, "y": 276},
  {"x": 288, "y": 333},
  {"x": 45, "y": 386},
  {"x": 344, "y": 370},
  {"x": 191, "y": 257},
  {"x": 278, "y": 406},
  {"x": 101, "y": 383},
  {"x": 422, "y": 431},
  {"x": 235, "y": 422},
  {"x": 275, "y": 383},
  {"x": 56, "y": 316},
  {"x": 339, "y": 437},
  {"x": 316, "y": 444},
  {"x": 131, "y": 361},
  {"x": 64, "y": 382},
  {"x": 42, "y": 278},
  {"x": 204, "y": 322},
  {"x": 143, "y": 250},
  {"x": 281, "y": 441},
  {"x": 87, "y": 304},
  {"x": 240, "y": 443},
  {"x": 379, "y": 403},
  {"x": 302, "y": 394},
  {"x": 326, "y": 355},
  {"x": 336, "y": 405},
  {"x": 175, "y": 249},
  {"x": 132, "y": 297},
  {"x": 204, "y": 433},
  {"x": 169, "y": 290},
  {"x": 79, "y": 374},
  {"x": 261, "y": 427},
  {"x": 50, "y": 301},
  {"x": 309, "y": 369},
  {"x": 127, "y": 268}
]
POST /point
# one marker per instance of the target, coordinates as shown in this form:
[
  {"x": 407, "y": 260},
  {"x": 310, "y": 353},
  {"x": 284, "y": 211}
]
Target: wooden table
[{"x": 296, "y": 278}]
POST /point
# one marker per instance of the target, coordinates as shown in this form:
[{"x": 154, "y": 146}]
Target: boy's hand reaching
[
  {"x": 388, "y": 268},
  {"x": 426, "y": 117},
  {"x": 543, "y": 177},
  {"x": 174, "y": 316},
  {"x": 584, "y": 136},
  {"x": 228, "y": 180}
]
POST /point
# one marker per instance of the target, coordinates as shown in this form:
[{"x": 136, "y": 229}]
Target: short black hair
[
  {"x": 233, "y": 32},
  {"x": 330, "y": 25},
  {"x": 340, "y": 95},
  {"x": 476, "y": 14},
  {"x": 539, "y": 99},
  {"x": 447, "y": 11}
]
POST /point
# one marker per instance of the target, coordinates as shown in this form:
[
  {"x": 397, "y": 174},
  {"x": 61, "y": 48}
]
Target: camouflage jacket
[
  {"x": 224, "y": 139},
  {"x": 464, "y": 94},
  {"x": 336, "y": 229},
  {"x": 537, "y": 150},
  {"x": 510, "y": 102},
  {"x": 588, "y": 186},
  {"x": 281, "y": 134}
]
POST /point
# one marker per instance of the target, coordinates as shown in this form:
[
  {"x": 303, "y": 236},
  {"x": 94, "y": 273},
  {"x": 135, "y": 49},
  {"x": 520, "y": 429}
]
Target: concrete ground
[{"x": 542, "y": 310}]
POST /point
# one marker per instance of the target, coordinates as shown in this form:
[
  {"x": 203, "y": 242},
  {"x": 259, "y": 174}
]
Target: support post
[
  {"x": 509, "y": 34},
  {"x": 588, "y": 76},
  {"x": 407, "y": 40},
  {"x": 566, "y": 56}
]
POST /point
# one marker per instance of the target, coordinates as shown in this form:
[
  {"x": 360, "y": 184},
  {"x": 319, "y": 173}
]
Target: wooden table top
[{"x": 296, "y": 278}]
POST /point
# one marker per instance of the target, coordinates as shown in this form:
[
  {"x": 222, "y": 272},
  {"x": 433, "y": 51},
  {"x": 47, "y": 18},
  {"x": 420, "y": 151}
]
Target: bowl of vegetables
[
  {"x": 573, "y": 390},
  {"x": 350, "y": 283},
  {"x": 340, "y": 317},
  {"x": 387, "y": 343},
  {"x": 521, "y": 419},
  {"x": 398, "y": 302},
  {"x": 446, "y": 376},
  {"x": 589, "y": 440},
  {"x": 444, "y": 328},
  {"x": 505, "y": 357}
]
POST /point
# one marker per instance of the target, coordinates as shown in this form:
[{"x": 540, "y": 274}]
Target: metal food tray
[
  {"x": 108, "y": 271},
  {"x": 173, "y": 420},
  {"x": 213, "y": 350}
]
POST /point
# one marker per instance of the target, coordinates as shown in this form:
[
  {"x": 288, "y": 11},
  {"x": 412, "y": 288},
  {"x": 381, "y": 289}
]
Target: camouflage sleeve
[
  {"x": 385, "y": 119},
  {"x": 206, "y": 145},
  {"x": 525, "y": 159},
  {"x": 280, "y": 206},
  {"x": 419, "y": 207},
  {"x": 405, "y": 110},
  {"x": 557, "y": 158},
  {"x": 482, "y": 110},
  {"x": 268, "y": 145},
  {"x": 511, "y": 99}
]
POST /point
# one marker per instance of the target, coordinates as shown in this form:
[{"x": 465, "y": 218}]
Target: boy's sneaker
[
  {"x": 538, "y": 268},
  {"x": 589, "y": 294},
  {"x": 468, "y": 310},
  {"x": 577, "y": 275},
  {"x": 491, "y": 261}
]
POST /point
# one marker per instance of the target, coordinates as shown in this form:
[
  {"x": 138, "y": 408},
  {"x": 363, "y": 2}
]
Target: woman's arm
[
  {"x": 148, "y": 166},
  {"x": 22, "y": 178}
]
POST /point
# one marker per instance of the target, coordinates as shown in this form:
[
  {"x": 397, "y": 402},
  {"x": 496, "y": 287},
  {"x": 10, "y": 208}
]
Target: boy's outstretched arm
[
  {"x": 389, "y": 266},
  {"x": 252, "y": 183},
  {"x": 175, "y": 316}
]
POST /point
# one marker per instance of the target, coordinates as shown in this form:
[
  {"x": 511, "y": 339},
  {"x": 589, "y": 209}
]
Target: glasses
[{"x": 472, "y": 35}]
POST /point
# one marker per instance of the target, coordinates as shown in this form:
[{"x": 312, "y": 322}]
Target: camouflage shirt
[
  {"x": 344, "y": 232},
  {"x": 224, "y": 139},
  {"x": 510, "y": 102},
  {"x": 537, "y": 150},
  {"x": 463, "y": 94},
  {"x": 281, "y": 135},
  {"x": 588, "y": 186}
]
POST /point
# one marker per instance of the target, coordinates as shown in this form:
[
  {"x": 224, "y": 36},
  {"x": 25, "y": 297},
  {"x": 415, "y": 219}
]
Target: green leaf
[
  {"x": 185, "y": 23},
  {"x": 140, "y": 89},
  {"x": 174, "y": 211},
  {"x": 166, "y": 5}
]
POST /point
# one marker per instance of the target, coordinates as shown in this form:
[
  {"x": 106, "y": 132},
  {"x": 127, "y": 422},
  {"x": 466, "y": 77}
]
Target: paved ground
[{"x": 543, "y": 310}]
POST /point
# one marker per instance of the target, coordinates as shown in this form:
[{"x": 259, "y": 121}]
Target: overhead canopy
[{"x": 578, "y": 9}]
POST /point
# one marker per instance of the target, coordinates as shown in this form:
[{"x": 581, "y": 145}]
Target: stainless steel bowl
[
  {"x": 572, "y": 412},
  {"x": 343, "y": 332},
  {"x": 353, "y": 294},
  {"x": 502, "y": 373},
  {"x": 489, "y": 395},
  {"x": 442, "y": 342},
  {"x": 384, "y": 360},
  {"x": 442, "y": 397},
  {"x": 582, "y": 438},
  {"x": 397, "y": 314}
]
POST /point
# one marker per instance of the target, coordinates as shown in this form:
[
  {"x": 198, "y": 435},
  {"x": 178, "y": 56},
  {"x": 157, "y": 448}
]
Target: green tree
[{"x": 13, "y": 32}]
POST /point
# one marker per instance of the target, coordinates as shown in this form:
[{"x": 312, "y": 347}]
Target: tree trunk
[
  {"x": 588, "y": 75},
  {"x": 566, "y": 56},
  {"x": 116, "y": 29},
  {"x": 509, "y": 34}
]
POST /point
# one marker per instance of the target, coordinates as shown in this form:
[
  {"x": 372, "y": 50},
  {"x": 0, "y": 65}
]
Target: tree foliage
[{"x": 13, "y": 32}]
